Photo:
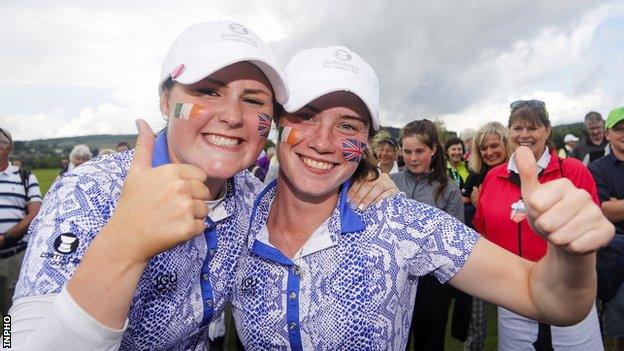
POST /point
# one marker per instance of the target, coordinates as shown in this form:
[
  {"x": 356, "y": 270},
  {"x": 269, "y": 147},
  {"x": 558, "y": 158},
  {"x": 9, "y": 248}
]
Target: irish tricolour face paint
[
  {"x": 353, "y": 149},
  {"x": 287, "y": 135},
  {"x": 189, "y": 111},
  {"x": 264, "y": 127}
]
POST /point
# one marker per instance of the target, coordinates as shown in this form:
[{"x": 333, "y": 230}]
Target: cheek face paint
[
  {"x": 264, "y": 127},
  {"x": 189, "y": 111},
  {"x": 353, "y": 149},
  {"x": 287, "y": 135}
]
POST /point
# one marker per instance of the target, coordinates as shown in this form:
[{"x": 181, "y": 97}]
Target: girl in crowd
[
  {"x": 343, "y": 279},
  {"x": 491, "y": 148},
  {"x": 455, "y": 165},
  {"x": 137, "y": 250},
  {"x": 501, "y": 217},
  {"x": 424, "y": 179}
]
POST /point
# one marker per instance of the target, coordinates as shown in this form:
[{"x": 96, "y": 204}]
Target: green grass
[{"x": 46, "y": 178}]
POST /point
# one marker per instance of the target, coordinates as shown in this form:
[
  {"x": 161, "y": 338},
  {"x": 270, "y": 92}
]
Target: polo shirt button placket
[{"x": 209, "y": 303}]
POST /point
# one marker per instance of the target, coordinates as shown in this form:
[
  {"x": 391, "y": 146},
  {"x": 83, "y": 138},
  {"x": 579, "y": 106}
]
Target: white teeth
[
  {"x": 316, "y": 164},
  {"x": 222, "y": 141}
]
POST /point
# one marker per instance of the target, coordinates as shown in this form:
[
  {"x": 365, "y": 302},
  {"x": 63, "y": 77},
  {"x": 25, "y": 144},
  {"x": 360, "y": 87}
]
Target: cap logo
[
  {"x": 238, "y": 28},
  {"x": 239, "y": 33},
  {"x": 177, "y": 71},
  {"x": 343, "y": 55}
]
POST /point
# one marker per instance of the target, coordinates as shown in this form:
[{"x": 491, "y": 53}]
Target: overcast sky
[{"x": 92, "y": 67}]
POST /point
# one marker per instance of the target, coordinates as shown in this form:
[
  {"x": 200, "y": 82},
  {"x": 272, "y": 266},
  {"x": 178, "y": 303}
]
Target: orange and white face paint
[
  {"x": 289, "y": 135},
  {"x": 189, "y": 111}
]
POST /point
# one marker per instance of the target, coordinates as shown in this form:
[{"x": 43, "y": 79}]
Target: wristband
[{"x": 8, "y": 239}]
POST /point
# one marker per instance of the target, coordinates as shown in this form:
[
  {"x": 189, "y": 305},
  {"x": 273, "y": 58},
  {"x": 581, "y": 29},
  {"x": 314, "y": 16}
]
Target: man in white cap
[{"x": 569, "y": 142}]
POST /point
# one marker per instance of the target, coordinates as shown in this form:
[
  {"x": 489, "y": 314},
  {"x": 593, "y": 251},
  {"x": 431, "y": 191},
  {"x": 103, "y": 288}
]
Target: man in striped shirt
[{"x": 20, "y": 199}]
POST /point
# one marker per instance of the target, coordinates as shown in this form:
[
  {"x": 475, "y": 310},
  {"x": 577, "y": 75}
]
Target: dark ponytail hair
[{"x": 427, "y": 132}]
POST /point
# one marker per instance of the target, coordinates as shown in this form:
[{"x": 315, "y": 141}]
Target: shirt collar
[
  {"x": 542, "y": 163},
  {"x": 10, "y": 169},
  {"x": 219, "y": 210},
  {"x": 160, "y": 155},
  {"x": 350, "y": 221}
]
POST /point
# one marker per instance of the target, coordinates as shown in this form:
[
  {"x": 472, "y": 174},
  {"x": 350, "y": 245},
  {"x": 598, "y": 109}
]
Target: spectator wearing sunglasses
[
  {"x": 593, "y": 145},
  {"x": 501, "y": 218}
]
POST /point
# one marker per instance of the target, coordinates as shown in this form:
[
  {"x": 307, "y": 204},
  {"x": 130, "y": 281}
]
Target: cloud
[{"x": 462, "y": 62}]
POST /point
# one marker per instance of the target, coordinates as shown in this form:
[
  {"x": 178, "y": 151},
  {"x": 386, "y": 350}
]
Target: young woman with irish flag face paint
[
  {"x": 138, "y": 250},
  {"x": 319, "y": 274}
]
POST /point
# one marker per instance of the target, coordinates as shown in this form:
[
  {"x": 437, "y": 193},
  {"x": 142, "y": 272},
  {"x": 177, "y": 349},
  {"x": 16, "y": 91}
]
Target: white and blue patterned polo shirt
[
  {"x": 181, "y": 290},
  {"x": 356, "y": 289}
]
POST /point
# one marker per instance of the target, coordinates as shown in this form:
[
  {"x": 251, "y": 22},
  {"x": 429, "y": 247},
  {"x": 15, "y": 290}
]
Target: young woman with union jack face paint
[
  {"x": 327, "y": 276},
  {"x": 156, "y": 232}
]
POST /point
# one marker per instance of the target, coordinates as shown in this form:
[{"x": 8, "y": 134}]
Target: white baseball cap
[
  {"x": 313, "y": 73},
  {"x": 205, "y": 48},
  {"x": 570, "y": 137}
]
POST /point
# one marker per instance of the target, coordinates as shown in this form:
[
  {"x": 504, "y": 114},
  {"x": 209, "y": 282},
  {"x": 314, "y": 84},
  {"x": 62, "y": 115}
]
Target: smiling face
[
  {"x": 615, "y": 135},
  {"x": 492, "y": 150},
  {"x": 387, "y": 154},
  {"x": 455, "y": 153},
  {"x": 416, "y": 154},
  {"x": 532, "y": 135},
  {"x": 228, "y": 135},
  {"x": 321, "y": 143}
]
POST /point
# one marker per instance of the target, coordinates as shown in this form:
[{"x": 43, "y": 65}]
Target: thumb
[
  {"x": 527, "y": 168},
  {"x": 144, "y": 146}
]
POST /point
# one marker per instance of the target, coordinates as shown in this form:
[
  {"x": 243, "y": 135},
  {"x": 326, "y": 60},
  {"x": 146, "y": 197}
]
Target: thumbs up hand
[
  {"x": 158, "y": 207},
  {"x": 559, "y": 212}
]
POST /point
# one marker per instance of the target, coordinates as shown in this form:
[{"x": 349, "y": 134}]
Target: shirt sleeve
[
  {"x": 429, "y": 239},
  {"x": 478, "y": 222},
  {"x": 470, "y": 182},
  {"x": 57, "y": 322},
  {"x": 600, "y": 179},
  {"x": 77, "y": 206},
  {"x": 33, "y": 193}
]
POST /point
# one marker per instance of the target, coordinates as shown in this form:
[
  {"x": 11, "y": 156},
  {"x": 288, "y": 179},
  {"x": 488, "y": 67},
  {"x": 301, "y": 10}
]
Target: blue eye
[{"x": 348, "y": 127}]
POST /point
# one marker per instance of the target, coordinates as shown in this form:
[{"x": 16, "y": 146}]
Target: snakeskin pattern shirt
[
  {"x": 353, "y": 284},
  {"x": 181, "y": 290}
]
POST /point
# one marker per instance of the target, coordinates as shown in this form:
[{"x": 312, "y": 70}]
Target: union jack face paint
[
  {"x": 353, "y": 149},
  {"x": 264, "y": 127}
]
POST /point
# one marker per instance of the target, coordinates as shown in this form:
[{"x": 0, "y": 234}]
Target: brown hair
[{"x": 428, "y": 134}]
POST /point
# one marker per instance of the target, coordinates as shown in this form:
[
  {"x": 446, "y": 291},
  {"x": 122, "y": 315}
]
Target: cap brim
[
  {"x": 200, "y": 70},
  {"x": 301, "y": 97}
]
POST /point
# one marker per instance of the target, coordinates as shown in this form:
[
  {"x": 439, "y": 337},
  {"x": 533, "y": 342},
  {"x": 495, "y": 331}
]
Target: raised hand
[
  {"x": 559, "y": 212},
  {"x": 158, "y": 207}
]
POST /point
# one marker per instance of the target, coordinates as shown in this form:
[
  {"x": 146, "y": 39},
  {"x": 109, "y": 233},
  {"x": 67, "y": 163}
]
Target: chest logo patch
[{"x": 249, "y": 285}]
